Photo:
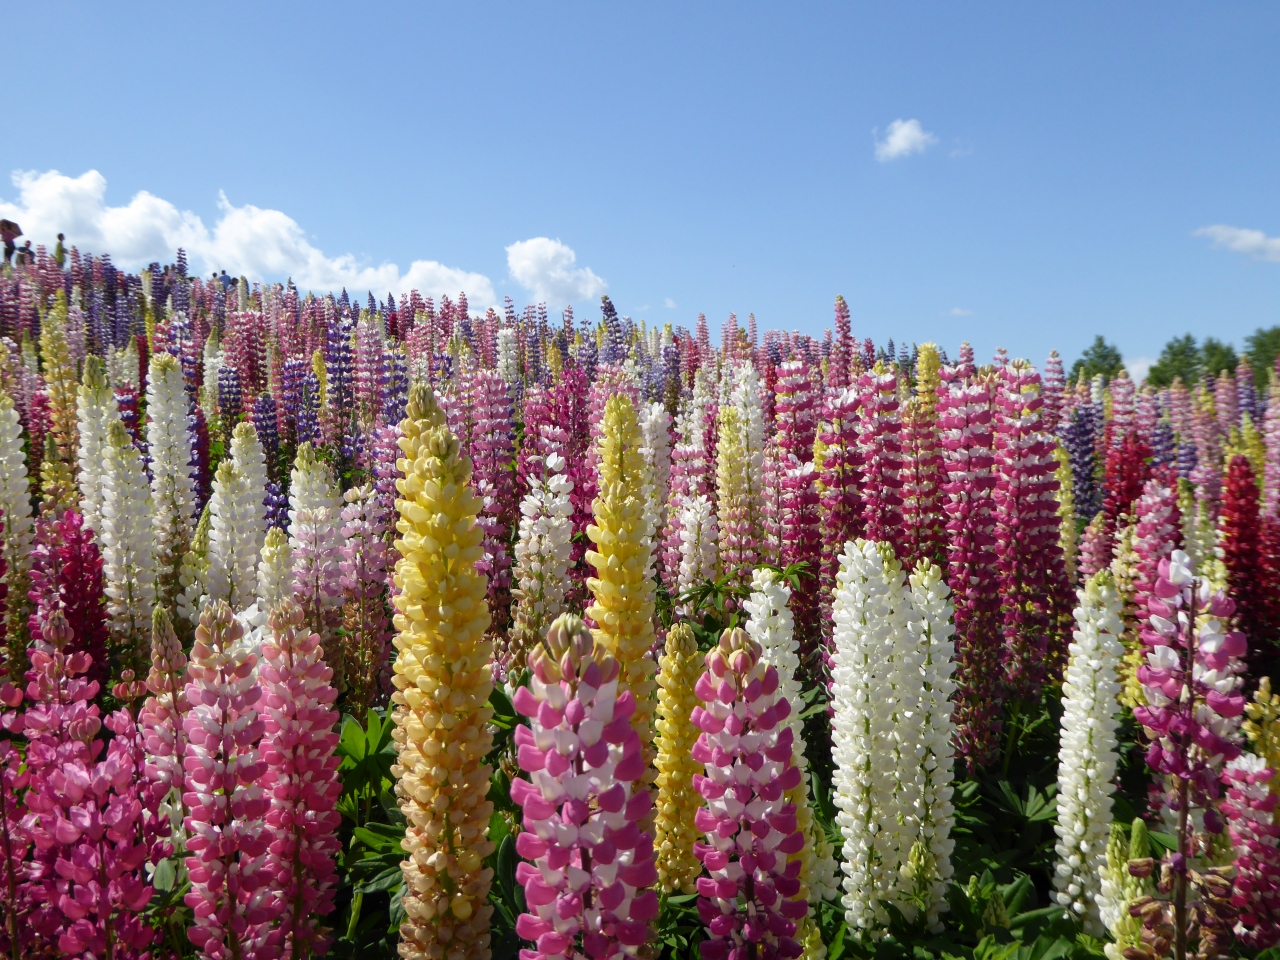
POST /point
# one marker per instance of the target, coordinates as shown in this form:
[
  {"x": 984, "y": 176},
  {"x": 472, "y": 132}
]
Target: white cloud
[
  {"x": 1138, "y": 367},
  {"x": 1254, "y": 243},
  {"x": 545, "y": 268},
  {"x": 258, "y": 243},
  {"x": 669, "y": 303},
  {"x": 903, "y": 138},
  {"x": 961, "y": 312}
]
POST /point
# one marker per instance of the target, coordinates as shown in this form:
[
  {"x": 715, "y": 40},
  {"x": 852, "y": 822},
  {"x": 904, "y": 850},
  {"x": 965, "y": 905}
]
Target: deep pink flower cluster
[
  {"x": 924, "y": 535},
  {"x": 492, "y": 451},
  {"x": 538, "y": 417},
  {"x": 1032, "y": 572},
  {"x": 840, "y": 481},
  {"x": 965, "y": 421},
  {"x": 796, "y": 409},
  {"x": 1250, "y": 808},
  {"x": 1122, "y": 410},
  {"x": 1054, "y": 392},
  {"x": 85, "y": 817},
  {"x": 748, "y": 896},
  {"x": 571, "y": 412},
  {"x": 66, "y": 574},
  {"x": 1226, "y": 401},
  {"x": 880, "y": 458},
  {"x": 591, "y": 862}
]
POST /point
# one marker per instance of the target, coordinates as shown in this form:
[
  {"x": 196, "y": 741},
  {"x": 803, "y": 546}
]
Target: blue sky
[{"x": 715, "y": 159}]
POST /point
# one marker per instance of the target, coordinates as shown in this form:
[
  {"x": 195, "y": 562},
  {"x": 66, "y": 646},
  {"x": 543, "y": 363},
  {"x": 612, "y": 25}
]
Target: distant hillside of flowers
[{"x": 380, "y": 628}]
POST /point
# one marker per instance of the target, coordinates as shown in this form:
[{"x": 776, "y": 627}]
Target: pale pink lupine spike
[
  {"x": 301, "y": 781},
  {"x": 363, "y": 575},
  {"x": 226, "y": 837},
  {"x": 160, "y": 721}
]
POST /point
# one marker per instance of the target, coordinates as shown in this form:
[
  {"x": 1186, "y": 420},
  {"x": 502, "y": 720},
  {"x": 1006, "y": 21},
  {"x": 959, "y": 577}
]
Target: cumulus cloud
[
  {"x": 258, "y": 243},
  {"x": 1138, "y": 367},
  {"x": 961, "y": 312},
  {"x": 903, "y": 138},
  {"x": 669, "y": 303},
  {"x": 1253, "y": 243},
  {"x": 546, "y": 268}
]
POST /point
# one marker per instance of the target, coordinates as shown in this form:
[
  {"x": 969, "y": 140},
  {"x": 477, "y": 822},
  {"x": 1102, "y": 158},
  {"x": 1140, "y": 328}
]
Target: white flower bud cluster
[
  {"x": 1088, "y": 753},
  {"x": 124, "y": 533},
  {"x": 891, "y": 677},
  {"x": 698, "y": 537},
  {"x": 543, "y": 548},
  {"x": 934, "y": 628},
  {"x": 17, "y": 532},
  {"x": 95, "y": 408},
  {"x": 655, "y": 447},
  {"x": 169, "y": 448}
]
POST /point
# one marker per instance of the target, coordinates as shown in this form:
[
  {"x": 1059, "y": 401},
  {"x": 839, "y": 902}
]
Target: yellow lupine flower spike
[
  {"x": 443, "y": 678},
  {"x": 623, "y": 559},
  {"x": 678, "y": 802}
]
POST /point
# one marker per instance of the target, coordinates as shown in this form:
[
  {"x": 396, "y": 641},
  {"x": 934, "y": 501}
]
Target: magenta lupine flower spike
[
  {"x": 796, "y": 409},
  {"x": 227, "y": 840},
  {"x": 746, "y": 745},
  {"x": 1250, "y": 807},
  {"x": 571, "y": 413},
  {"x": 584, "y": 803},
  {"x": 924, "y": 532},
  {"x": 1032, "y": 570},
  {"x": 66, "y": 574},
  {"x": 773, "y": 476},
  {"x": 880, "y": 457},
  {"x": 1054, "y": 393},
  {"x": 965, "y": 419},
  {"x": 86, "y": 882},
  {"x": 493, "y": 479},
  {"x": 1191, "y": 680},
  {"x": 15, "y": 896},
  {"x": 836, "y": 457},
  {"x": 301, "y": 781}
]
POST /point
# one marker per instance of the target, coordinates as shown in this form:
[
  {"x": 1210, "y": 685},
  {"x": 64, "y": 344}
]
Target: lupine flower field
[{"x": 377, "y": 628}]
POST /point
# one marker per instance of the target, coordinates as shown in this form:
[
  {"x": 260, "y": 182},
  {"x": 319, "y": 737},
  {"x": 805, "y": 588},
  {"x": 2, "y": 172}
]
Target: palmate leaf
[{"x": 367, "y": 753}]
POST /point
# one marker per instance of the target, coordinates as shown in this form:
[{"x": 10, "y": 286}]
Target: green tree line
[{"x": 1186, "y": 358}]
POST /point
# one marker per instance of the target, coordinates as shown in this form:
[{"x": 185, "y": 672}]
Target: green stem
[{"x": 357, "y": 905}]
